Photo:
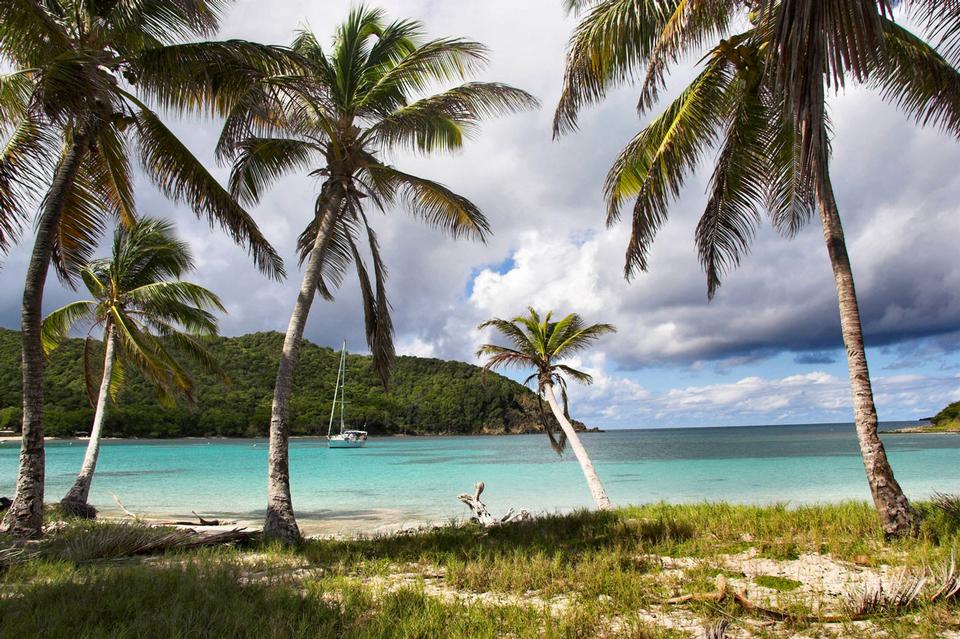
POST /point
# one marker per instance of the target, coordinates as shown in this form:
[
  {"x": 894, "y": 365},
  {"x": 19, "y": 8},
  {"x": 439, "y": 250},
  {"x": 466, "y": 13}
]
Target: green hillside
[
  {"x": 948, "y": 419},
  {"x": 426, "y": 396}
]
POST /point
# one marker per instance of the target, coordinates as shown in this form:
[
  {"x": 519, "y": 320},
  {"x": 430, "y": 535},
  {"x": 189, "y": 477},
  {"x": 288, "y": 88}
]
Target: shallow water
[{"x": 408, "y": 480}]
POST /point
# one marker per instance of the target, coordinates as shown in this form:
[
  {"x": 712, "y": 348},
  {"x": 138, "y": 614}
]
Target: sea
[{"x": 409, "y": 481}]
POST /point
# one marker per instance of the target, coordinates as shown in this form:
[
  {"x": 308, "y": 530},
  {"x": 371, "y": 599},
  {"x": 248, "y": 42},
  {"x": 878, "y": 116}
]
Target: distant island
[
  {"x": 946, "y": 421},
  {"x": 426, "y": 396}
]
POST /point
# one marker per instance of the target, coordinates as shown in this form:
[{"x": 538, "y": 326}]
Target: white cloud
[{"x": 898, "y": 188}]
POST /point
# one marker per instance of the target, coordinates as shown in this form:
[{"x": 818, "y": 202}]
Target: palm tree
[
  {"x": 541, "y": 345},
  {"x": 760, "y": 98},
  {"x": 136, "y": 304},
  {"x": 72, "y": 113},
  {"x": 353, "y": 104}
]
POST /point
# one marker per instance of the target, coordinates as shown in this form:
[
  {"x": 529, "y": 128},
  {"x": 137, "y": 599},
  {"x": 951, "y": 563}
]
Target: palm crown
[
  {"x": 542, "y": 344},
  {"x": 139, "y": 298},
  {"x": 354, "y": 103},
  {"x": 83, "y": 75},
  {"x": 756, "y": 100}
]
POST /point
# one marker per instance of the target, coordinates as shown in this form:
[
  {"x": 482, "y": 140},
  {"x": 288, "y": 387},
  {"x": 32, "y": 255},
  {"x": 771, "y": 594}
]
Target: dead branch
[
  {"x": 200, "y": 520},
  {"x": 124, "y": 508},
  {"x": 903, "y": 595},
  {"x": 482, "y": 515}
]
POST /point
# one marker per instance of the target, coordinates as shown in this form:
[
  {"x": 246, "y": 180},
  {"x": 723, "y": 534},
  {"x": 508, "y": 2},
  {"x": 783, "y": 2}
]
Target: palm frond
[
  {"x": 510, "y": 330},
  {"x": 815, "y": 45},
  {"x": 692, "y": 25},
  {"x": 501, "y": 357},
  {"x": 197, "y": 351},
  {"x": 56, "y": 326},
  {"x": 654, "y": 165},
  {"x": 16, "y": 90},
  {"x": 737, "y": 187},
  {"x": 919, "y": 80},
  {"x": 581, "y": 339},
  {"x": 941, "y": 20},
  {"x": 83, "y": 219},
  {"x": 376, "y": 310},
  {"x": 434, "y": 203},
  {"x": 147, "y": 354},
  {"x": 89, "y": 380},
  {"x": 261, "y": 161},
  {"x": 336, "y": 253},
  {"x": 179, "y": 174},
  {"x": 440, "y": 122},
  {"x": 410, "y": 72},
  {"x": 574, "y": 374},
  {"x": 146, "y": 252},
  {"x": 207, "y": 77},
  {"x": 27, "y": 160},
  {"x": 29, "y": 33},
  {"x": 163, "y": 20},
  {"x": 113, "y": 170},
  {"x": 607, "y": 49},
  {"x": 790, "y": 198}
]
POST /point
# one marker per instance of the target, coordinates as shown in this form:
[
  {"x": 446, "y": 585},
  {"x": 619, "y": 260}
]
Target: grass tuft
[{"x": 783, "y": 584}]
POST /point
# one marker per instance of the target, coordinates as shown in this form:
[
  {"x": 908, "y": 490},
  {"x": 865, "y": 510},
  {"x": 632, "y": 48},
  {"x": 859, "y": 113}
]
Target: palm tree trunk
[
  {"x": 75, "y": 501},
  {"x": 896, "y": 514},
  {"x": 596, "y": 486},
  {"x": 25, "y": 516},
  {"x": 280, "y": 521}
]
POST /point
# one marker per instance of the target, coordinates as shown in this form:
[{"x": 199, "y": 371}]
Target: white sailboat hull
[{"x": 338, "y": 442}]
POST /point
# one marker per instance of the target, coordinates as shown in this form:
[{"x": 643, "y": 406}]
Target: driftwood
[
  {"x": 200, "y": 520},
  {"x": 901, "y": 596},
  {"x": 483, "y": 516}
]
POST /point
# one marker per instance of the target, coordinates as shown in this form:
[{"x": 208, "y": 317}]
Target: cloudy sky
[{"x": 767, "y": 349}]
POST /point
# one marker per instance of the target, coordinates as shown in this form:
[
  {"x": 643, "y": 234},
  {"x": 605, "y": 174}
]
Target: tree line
[{"x": 426, "y": 396}]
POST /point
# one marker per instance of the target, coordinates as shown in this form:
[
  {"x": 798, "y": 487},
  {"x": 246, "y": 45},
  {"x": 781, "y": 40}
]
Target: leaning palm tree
[
  {"x": 143, "y": 308},
  {"x": 541, "y": 344},
  {"x": 356, "y": 102},
  {"x": 760, "y": 98},
  {"x": 74, "y": 112}
]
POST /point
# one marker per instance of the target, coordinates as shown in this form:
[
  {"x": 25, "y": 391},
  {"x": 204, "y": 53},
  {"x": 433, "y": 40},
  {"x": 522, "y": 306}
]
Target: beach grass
[{"x": 586, "y": 574}]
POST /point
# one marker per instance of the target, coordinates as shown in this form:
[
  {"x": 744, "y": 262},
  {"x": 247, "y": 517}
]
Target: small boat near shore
[{"x": 346, "y": 438}]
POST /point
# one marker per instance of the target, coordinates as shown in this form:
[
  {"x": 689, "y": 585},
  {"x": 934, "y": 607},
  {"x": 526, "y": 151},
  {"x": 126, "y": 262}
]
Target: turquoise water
[{"x": 416, "y": 479}]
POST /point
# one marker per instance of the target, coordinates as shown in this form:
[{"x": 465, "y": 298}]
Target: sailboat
[{"x": 346, "y": 438}]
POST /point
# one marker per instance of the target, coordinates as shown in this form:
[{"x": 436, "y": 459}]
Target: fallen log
[
  {"x": 483, "y": 516},
  {"x": 200, "y": 520}
]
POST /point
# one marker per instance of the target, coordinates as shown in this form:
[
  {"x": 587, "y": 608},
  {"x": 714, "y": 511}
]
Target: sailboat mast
[
  {"x": 343, "y": 385},
  {"x": 336, "y": 389}
]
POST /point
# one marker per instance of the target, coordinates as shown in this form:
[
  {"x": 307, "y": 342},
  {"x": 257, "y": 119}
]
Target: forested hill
[{"x": 426, "y": 396}]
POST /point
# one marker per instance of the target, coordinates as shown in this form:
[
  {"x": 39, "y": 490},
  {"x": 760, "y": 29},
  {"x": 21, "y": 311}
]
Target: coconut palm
[
  {"x": 541, "y": 344},
  {"x": 74, "y": 116},
  {"x": 141, "y": 311},
  {"x": 760, "y": 99},
  {"x": 355, "y": 103}
]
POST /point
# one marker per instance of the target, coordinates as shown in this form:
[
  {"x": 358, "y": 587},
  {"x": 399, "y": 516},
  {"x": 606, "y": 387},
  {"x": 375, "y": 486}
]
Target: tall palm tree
[
  {"x": 141, "y": 311},
  {"x": 541, "y": 344},
  {"x": 72, "y": 113},
  {"x": 355, "y": 102},
  {"x": 760, "y": 98}
]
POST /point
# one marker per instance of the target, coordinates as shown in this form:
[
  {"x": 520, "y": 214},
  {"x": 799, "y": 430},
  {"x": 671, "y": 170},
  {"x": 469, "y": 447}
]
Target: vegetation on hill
[
  {"x": 948, "y": 419},
  {"x": 426, "y": 396}
]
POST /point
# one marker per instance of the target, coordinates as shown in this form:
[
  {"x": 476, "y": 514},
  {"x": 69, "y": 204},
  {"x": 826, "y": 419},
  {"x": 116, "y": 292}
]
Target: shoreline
[{"x": 372, "y": 523}]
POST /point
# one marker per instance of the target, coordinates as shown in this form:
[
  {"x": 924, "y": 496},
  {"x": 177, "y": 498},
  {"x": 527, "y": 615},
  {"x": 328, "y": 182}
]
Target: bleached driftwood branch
[
  {"x": 483, "y": 516},
  {"x": 201, "y": 522}
]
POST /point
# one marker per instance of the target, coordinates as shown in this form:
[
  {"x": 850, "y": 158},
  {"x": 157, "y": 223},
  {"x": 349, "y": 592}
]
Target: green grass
[
  {"x": 774, "y": 582},
  {"x": 587, "y": 574}
]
